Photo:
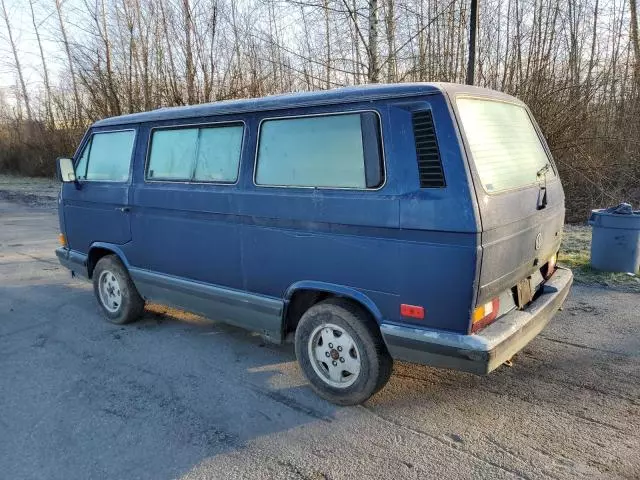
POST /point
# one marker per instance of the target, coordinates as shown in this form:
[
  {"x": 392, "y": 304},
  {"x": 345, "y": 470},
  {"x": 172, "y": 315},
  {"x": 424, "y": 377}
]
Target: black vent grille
[{"x": 429, "y": 162}]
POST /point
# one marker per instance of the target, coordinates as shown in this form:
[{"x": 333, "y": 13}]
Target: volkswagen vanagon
[{"x": 418, "y": 222}]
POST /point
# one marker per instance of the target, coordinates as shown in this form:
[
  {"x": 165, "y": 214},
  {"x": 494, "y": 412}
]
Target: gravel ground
[
  {"x": 179, "y": 396},
  {"x": 35, "y": 192}
]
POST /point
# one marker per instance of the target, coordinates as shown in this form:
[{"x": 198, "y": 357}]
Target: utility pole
[
  {"x": 373, "y": 42},
  {"x": 473, "y": 30}
]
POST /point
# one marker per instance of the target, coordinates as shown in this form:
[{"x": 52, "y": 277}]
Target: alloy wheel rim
[
  {"x": 109, "y": 290},
  {"x": 334, "y": 355}
]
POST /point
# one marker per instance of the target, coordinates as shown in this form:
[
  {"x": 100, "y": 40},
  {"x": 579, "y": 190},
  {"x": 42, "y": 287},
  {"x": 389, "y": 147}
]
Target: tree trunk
[
  {"x": 176, "y": 96},
  {"x": 47, "y": 86},
  {"x": 67, "y": 48},
  {"x": 473, "y": 31},
  {"x": 112, "y": 94},
  {"x": 633, "y": 7},
  {"x": 391, "y": 42},
  {"x": 593, "y": 47},
  {"x": 327, "y": 38},
  {"x": 188, "y": 53},
  {"x": 25, "y": 94},
  {"x": 373, "y": 42}
]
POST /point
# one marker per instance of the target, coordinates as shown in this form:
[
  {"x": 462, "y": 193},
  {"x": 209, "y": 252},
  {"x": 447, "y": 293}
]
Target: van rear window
[{"x": 504, "y": 144}]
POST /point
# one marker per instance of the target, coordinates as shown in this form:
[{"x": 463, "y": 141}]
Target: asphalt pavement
[{"x": 180, "y": 396}]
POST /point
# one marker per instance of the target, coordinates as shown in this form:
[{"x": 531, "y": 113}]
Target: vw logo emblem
[{"x": 538, "y": 240}]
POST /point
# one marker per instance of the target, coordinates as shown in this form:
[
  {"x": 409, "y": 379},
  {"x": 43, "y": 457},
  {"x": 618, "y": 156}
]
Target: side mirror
[{"x": 64, "y": 170}]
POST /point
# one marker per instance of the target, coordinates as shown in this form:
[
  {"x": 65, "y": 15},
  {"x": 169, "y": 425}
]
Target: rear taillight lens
[
  {"x": 551, "y": 266},
  {"x": 485, "y": 314}
]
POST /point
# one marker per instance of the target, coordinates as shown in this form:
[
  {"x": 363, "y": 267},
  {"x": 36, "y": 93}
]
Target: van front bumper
[
  {"x": 488, "y": 349},
  {"x": 74, "y": 261}
]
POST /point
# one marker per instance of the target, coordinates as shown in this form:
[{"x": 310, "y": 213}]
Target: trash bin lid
[{"x": 621, "y": 216}]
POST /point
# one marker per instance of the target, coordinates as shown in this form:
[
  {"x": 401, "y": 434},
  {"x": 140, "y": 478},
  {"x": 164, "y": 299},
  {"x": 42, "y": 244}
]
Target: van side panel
[
  {"x": 399, "y": 244},
  {"x": 440, "y": 225},
  {"x": 396, "y": 244},
  {"x": 183, "y": 229},
  {"x": 335, "y": 236}
]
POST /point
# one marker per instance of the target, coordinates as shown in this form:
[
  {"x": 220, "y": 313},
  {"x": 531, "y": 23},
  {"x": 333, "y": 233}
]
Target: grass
[
  {"x": 575, "y": 253},
  {"x": 45, "y": 187}
]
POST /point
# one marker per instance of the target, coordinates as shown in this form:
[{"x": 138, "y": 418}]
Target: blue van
[{"x": 418, "y": 222}]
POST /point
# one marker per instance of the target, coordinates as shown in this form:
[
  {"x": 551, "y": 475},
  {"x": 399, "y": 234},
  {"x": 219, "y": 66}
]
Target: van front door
[{"x": 96, "y": 207}]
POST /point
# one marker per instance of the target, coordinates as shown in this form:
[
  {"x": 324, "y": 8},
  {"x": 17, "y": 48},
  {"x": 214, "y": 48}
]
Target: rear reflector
[
  {"x": 485, "y": 314},
  {"x": 412, "y": 311}
]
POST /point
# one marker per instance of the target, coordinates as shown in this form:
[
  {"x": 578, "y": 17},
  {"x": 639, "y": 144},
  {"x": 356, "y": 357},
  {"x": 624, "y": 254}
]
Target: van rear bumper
[
  {"x": 484, "y": 351},
  {"x": 74, "y": 261}
]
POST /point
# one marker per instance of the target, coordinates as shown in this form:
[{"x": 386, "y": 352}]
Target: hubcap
[
  {"x": 109, "y": 290},
  {"x": 334, "y": 355}
]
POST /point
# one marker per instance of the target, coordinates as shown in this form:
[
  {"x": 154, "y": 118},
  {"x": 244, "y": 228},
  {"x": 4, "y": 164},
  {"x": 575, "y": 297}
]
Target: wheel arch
[
  {"x": 302, "y": 295},
  {"x": 101, "y": 249}
]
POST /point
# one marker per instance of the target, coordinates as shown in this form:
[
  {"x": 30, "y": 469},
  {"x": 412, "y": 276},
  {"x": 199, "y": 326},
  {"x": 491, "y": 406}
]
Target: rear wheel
[
  {"x": 117, "y": 295},
  {"x": 341, "y": 352}
]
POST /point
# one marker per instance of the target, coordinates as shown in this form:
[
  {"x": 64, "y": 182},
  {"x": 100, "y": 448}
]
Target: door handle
[{"x": 124, "y": 209}]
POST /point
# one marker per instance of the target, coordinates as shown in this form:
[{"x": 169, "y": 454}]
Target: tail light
[
  {"x": 551, "y": 266},
  {"x": 485, "y": 314},
  {"x": 62, "y": 240}
]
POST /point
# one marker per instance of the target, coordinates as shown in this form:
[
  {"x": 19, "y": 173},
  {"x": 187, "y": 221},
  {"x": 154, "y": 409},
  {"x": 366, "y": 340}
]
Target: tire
[
  {"x": 333, "y": 374},
  {"x": 117, "y": 296}
]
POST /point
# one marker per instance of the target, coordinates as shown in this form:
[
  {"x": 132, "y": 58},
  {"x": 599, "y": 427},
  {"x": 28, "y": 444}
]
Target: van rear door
[{"x": 520, "y": 198}]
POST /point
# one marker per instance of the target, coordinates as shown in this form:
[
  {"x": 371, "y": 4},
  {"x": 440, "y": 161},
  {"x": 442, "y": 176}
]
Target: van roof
[{"x": 299, "y": 99}]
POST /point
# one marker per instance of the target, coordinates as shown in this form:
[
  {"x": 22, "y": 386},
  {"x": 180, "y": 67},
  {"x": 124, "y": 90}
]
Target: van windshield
[{"x": 504, "y": 144}]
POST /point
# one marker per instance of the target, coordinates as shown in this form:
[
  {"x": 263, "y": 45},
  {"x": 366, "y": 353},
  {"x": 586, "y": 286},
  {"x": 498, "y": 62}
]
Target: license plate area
[
  {"x": 526, "y": 289},
  {"x": 524, "y": 292}
]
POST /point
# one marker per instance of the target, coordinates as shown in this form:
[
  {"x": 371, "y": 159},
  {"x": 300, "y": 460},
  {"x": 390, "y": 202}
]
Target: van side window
[
  {"x": 331, "y": 151},
  {"x": 208, "y": 154},
  {"x": 107, "y": 157}
]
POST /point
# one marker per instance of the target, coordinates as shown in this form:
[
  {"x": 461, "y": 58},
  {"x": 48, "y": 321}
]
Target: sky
[{"x": 26, "y": 43}]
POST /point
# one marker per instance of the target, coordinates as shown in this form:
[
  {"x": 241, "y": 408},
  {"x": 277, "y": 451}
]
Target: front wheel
[
  {"x": 341, "y": 352},
  {"x": 117, "y": 295}
]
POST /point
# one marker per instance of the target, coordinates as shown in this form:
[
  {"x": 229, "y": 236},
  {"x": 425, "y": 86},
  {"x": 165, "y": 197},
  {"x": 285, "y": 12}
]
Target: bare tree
[
  {"x": 635, "y": 41},
  {"x": 45, "y": 71},
  {"x": 473, "y": 32},
  {"x": 16, "y": 59},
  {"x": 390, "y": 27},
  {"x": 374, "y": 69},
  {"x": 188, "y": 53},
  {"x": 576, "y": 63},
  {"x": 65, "y": 40}
]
